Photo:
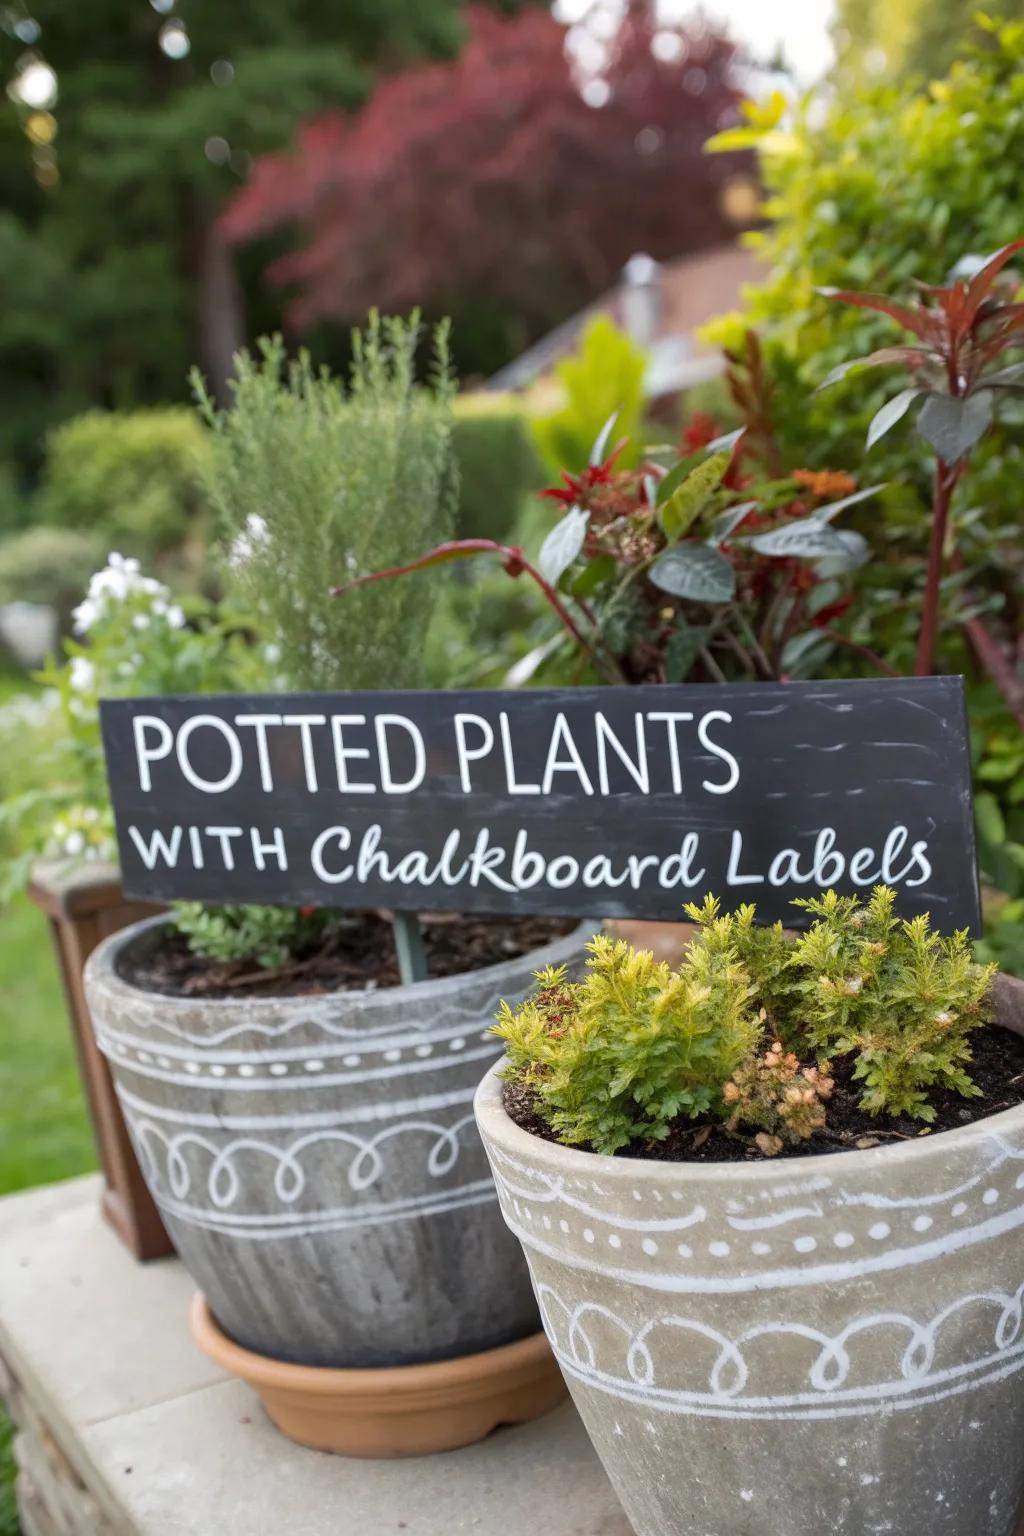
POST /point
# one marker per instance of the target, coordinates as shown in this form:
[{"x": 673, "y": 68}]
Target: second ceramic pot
[
  {"x": 316, "y": 1162},
  {"x": 789, "y": 1347}
]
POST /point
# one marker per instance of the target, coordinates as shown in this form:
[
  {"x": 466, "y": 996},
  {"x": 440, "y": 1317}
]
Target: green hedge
[
  {"x": 134, "y": 478},
  {"x": 49, "y": 565},
  {"x": 498, "y": 465}
]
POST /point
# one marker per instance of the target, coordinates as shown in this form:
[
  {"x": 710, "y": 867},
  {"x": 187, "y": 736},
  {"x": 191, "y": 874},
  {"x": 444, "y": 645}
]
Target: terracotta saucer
[{"x": 407, "y": 1410}]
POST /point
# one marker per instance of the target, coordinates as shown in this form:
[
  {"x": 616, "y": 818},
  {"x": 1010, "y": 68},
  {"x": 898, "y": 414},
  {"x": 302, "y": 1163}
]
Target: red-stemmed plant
[
  {"x": 715, "y": 565},
  {"x": 961, "y": 334}
]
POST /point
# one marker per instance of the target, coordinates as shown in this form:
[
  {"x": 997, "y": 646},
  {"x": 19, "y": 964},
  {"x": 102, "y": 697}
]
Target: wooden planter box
[{"x": 83, "y": 906}]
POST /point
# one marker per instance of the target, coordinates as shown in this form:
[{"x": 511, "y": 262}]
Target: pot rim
[
  {"x": 496, "y": 1125},
  {"x": 101, "y": 970}
]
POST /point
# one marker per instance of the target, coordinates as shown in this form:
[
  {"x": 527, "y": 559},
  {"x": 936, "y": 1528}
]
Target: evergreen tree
[{"x": 126, "y": 126}]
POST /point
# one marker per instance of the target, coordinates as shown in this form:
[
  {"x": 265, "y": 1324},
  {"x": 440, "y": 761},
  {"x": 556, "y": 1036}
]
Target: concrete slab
[
  {"x": 123, "y": 1422},
  {"x": 81, "y": 1323},
  {"x": 212, "y": 1462}
]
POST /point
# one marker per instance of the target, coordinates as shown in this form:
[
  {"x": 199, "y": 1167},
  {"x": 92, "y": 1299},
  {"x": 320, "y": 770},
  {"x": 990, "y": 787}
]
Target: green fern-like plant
[
  {"x": 900, "y": 998},
  {"x": 265, "y": 937},
  {"x": 619, "y": 1055}
]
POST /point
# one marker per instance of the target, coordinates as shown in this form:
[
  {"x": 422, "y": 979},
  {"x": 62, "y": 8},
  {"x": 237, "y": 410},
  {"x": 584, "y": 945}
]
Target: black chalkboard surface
[{"x": 583, "y": 801}]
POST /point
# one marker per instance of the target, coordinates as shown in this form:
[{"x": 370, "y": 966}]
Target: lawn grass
[{"x": 44, "y": 1129}]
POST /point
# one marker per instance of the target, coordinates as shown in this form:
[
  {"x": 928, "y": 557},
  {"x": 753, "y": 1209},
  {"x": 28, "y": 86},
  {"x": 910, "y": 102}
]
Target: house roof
[{"x": 688, "y": 292}]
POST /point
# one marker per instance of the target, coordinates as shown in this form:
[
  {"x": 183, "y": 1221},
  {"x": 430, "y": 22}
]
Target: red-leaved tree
[{"x": 491, "y": 176}]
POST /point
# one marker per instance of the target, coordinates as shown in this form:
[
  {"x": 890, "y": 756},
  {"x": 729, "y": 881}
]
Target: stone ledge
[{"x": 125, "y": 1428}]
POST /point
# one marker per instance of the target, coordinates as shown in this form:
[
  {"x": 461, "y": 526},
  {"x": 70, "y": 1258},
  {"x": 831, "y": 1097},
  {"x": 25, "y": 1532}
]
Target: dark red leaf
[
  {"x": 980, "y": 285},
  {"x": 917, "y": 319}
]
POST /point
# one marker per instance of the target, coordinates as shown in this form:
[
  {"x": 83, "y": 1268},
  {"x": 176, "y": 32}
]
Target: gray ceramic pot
[
  {"x": 315, "y": 1159},
  {"x": 788, "y": 1348}
]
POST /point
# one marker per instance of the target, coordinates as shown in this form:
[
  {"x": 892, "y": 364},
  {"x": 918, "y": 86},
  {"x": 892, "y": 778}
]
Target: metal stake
[{"x": 412, "y": 957}]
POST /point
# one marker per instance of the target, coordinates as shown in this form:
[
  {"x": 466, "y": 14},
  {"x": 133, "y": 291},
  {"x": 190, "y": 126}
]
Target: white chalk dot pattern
[
  {"x": 455, "y": 1038},
  {"x": 796, "y": 1240}
]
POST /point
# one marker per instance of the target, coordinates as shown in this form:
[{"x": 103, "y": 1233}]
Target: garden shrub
[
  {"x": 48, "y": 565},
  {"x": 315, "y": 484},
  {"x": 899, "y": 998},
  {"x": 744, "y": 1031},
  {"x": 498, "y": 464},
  {"x": 131, "y": 478},
  {"x": 891, "y": 185},
  {"x": 620, "y": 1054}
]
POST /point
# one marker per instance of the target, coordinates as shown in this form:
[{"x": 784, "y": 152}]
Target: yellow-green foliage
[
  {"x": 620, "y": 1054},
  {"x": 765, "y": 952},
  {"x": 605, "y": 377},
  {"x": 743, "y": 1030},
  {"x": 901, "y": 999}
]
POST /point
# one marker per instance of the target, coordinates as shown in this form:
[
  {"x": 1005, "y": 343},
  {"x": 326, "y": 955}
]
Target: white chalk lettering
[
  {"x": 144, "y": 754},
  {"x": 305, "y": 723},
  {"x": 562, "y": 736},
  {"x": 672, "y": 717},
  {"x": 276, "y": 846},
  {"x": 343, "y": 753},
  {"x": 223, "y": 835},
  {"x": 259, "y": 724},
  {"x": 733, "y": 876},
  {"x": 514, "y": 787},
  {"x": 158, "y": 848},
  {"x": 675, "y": 870},
  {"x": 722, "y": 752},
  {"x": 343, "y": 838},
  {"x": 234, "y": 773},
  {"x": 465, "y": 755},
  {"x": 637, "y": 769},
  {"x": 388, "y": 783}
]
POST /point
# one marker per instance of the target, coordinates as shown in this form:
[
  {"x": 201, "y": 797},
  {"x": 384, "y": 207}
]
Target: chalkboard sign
[{"x": 582, "y": 801}]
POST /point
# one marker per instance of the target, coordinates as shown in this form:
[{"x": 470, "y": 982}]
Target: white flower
[
  {"x": 82, "y": 675},
  {"x": 252, "y": 538},
  {"x": 272, "y": 654},
  {"x": 175, "y": 617},
  {"x": 85, "y": 615},
  {"x": 140, "y": 621},
  {"x": 74, "y": 843},
  {"x": 853, "y": 985}
]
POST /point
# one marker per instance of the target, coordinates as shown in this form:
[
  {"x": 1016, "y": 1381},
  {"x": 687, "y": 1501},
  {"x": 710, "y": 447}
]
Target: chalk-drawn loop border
[
  {"x": 222, "y": 1182},
  {"x": 631, "y": 1371}
]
